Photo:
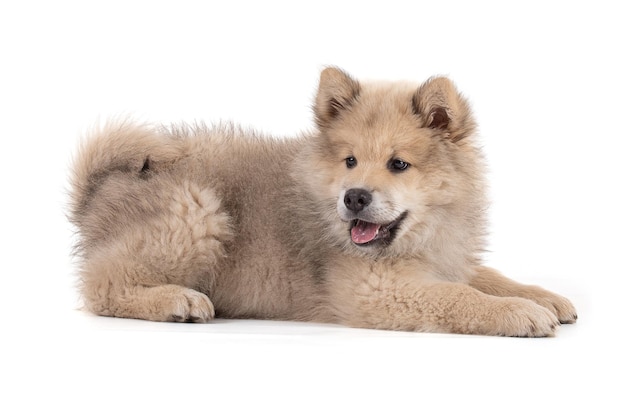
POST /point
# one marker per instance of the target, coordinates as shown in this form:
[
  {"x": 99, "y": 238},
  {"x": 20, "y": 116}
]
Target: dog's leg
[
  {"x": 401, "y": 297},
  {"x": 156, "y": 269},
  {"x": 456, "y": 308},
  {"x": 493, "y": 283}
]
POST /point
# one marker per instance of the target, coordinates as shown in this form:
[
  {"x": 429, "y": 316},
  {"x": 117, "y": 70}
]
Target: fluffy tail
[{"x": 122, "y": 147}]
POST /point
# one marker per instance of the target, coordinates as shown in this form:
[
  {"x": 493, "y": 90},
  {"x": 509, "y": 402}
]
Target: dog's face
[{"x": 393, "y": 161}]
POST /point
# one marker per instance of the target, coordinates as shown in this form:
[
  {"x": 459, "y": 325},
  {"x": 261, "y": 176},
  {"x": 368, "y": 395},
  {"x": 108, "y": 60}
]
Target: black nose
[{"x": 357, "y": 199}]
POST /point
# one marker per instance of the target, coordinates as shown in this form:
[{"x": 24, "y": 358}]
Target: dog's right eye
[{"x": 350, "y": 162}]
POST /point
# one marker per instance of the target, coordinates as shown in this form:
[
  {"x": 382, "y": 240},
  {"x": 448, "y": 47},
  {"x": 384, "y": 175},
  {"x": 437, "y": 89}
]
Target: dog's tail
[{"x": 116, "y": 148}]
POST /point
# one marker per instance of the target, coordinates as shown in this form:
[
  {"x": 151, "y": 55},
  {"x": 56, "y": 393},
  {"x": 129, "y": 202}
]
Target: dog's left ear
[
  {"x": 441, "y": 107},
  {"x": 337, "y": 92}
]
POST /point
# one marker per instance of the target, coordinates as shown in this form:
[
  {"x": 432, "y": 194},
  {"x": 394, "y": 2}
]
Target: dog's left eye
[
  {"x": 350, "y": 162},
  {"x": 398, "y": 165}
]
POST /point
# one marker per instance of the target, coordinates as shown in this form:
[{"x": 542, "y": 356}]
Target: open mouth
[{"x": 367, "y": 233}]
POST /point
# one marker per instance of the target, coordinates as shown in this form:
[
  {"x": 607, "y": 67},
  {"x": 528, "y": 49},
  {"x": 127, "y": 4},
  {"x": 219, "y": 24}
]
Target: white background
[{"x": 546, "y": 80}]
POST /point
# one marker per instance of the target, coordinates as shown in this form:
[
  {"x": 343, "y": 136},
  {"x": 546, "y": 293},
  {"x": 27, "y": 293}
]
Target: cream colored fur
[{"x": 188, "y": 223}]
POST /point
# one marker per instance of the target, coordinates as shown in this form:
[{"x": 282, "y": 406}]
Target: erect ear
[
  {"x": 441, "y": 107},
  {"x": 337, "y": 91}
]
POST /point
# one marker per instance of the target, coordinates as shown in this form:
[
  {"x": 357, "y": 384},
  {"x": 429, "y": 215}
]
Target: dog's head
[{"x": 394, "y": 163}]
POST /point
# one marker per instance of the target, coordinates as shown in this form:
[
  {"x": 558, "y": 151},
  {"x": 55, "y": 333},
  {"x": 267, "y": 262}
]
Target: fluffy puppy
[{"x": 375, "y": 220}]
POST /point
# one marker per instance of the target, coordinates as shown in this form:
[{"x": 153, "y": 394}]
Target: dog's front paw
[
  {"x": 518, "y": 317},
  {"x": 558, "y": 305}
]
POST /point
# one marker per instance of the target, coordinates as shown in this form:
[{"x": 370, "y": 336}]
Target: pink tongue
[{"x": 364, "y": 232}]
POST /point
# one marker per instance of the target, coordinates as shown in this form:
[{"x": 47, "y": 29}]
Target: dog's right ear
[{"x": 337, "y": 91}]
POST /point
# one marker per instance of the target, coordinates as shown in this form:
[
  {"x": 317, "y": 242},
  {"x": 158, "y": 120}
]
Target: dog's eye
[
  {"x": 350, "y": 162},
  {"x": 398, "y": 165}
]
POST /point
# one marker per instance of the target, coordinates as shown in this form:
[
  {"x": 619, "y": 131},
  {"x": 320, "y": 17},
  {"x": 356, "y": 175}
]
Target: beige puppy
[{"x": 376, "y": 220}]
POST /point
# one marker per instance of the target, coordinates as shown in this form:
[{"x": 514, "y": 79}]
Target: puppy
[{"x": 375, "y": 220}]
